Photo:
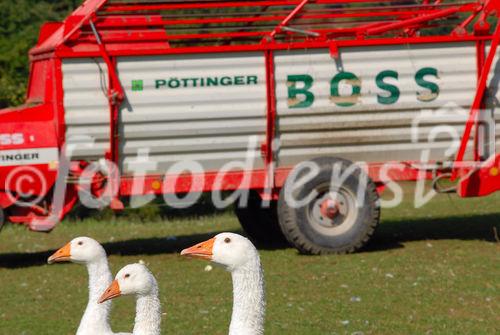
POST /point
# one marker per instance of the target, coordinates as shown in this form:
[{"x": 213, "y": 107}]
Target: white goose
[
  {"x": 84, "y": 250},
  {"x": 239, "y": 256},
  {"x": 136, "y": 279}
]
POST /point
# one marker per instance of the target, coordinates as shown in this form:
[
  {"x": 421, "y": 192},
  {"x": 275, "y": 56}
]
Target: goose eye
[
  {"x": 127, "y": 275},
  {"x": 227, "y": 240},
  {"x": 80, "y": 243}
]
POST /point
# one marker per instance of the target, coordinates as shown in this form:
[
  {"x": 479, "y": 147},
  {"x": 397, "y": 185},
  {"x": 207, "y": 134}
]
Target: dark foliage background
[{"x": 19, "y": 26}]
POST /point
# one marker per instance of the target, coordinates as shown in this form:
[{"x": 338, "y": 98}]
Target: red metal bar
[
  {"x": 58, "y": 102},
  {"x": 480, "y": 59},
  {"x": 461, "y": 28},
  {"x": 116, "y": 95},
  {"x": 221, "y": 4},
  {"x": 409, "y": 22},
  {"x": 121, "y": 50},
  {"x": 142, "y": 21},
  {"x": 481, "y": 88},
  {"x": 396, "y": 171},
  {"x": 271, "y": 115},
  {"x": 71, "y": 25},
  {"x": 288, "y": 18},
  {"x": 481, "y": 181},
  {"x": 137, "y": 27}
]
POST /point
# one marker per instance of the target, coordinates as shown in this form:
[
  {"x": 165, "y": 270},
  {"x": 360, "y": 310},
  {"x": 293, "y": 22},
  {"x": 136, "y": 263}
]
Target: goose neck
[
  {"x": 248, "y": 300},
  {"x": 148, "y": 314},
  {"x": 95, "y": 318},
  {"x": 99, "y": 278}
]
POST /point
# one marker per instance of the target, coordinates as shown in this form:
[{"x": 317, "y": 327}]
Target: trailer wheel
[
  {"x": 335, "y": 220},
  {"x": 260, "y": 224}
]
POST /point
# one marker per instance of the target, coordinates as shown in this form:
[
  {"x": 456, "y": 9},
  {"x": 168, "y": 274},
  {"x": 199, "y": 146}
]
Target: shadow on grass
[
  {"x": 132, "y": 247},
  {"x": 392, "y": 234},
  {"x": 389, "y": 235}
]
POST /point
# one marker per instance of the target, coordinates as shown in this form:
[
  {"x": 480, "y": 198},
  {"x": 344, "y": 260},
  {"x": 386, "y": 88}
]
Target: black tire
[
  {"x": 2, "y": 218},
  {"x": 261, "y": 224},
  {"x": 345, "y": 231}
]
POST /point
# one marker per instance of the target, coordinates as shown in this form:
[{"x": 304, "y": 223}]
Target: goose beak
[
  {"x": 61, "y": 255},
  {"x": 203, "y": 250},
  {"x": 112, "y": 291}
]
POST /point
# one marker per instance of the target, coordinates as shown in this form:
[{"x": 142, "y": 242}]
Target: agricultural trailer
[{"x": 268, "y": 83}]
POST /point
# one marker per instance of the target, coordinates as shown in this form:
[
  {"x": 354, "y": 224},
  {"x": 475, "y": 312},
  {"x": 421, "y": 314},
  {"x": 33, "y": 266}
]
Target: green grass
[{"x": 434, "y": 270}]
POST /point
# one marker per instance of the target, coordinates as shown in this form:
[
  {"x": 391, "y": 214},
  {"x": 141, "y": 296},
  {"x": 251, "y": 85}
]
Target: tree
[{"x": 19, "y": 27}]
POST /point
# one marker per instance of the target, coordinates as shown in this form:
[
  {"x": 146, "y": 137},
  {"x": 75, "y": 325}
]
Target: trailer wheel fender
[{"x": 338, "y": 217}]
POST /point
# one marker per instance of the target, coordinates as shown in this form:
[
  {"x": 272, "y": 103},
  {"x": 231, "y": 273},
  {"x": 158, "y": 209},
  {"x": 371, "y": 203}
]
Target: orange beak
[
  {"x": 112, "y": 291},
  {"x": 203, "y": 250},
  {"x": 61, "y": 255}
]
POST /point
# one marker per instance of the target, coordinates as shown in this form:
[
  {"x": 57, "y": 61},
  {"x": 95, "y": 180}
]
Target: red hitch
[{"x": 482, "y": 181}]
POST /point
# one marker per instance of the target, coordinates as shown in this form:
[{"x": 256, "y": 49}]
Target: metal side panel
[
  {"x": 86, "y": 107},
  {"x": 202, "y": 107},
  {"x": 493, "y": 100},
  {"x": 406, "y": 95},
  {"x": 210, "y": 121},
  {"x": 496, "y": 136}
]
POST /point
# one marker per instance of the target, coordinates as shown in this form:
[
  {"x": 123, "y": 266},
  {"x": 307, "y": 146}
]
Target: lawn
[{"x": 433, "y": 270}]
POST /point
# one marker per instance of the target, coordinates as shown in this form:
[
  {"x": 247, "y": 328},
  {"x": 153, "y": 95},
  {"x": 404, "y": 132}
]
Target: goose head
[
  {"x": 229, "y": 250},
  {"x": 81, "y": 250},
  {"x": 133, "y": 279}
]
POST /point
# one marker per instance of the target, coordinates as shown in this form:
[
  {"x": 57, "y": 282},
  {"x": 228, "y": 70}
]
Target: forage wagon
[{"x": 233, "y": 95}]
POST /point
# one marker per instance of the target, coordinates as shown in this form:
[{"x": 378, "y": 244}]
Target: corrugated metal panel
[
  {"x": 369, "y": 130},
  {"x": 213, "y": 124},
  {"x": 86, "y": 107},
  {"x": 497, "y": 131},
  {"x": 208, "y": 123},
  {"x": 494, "y": 95}
]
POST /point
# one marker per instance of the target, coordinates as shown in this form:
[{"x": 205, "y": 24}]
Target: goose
[
  {"x": 84, "y": 250},
  {"x": 136, "y": 279},
  {"x": 240, "y": 257}
]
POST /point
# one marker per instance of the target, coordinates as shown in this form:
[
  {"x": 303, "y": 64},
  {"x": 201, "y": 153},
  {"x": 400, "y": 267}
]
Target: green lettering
[
  {"x": 160, "y": 82},
  {"x": 351, "y": 79},
  {"x": 433, "y": 88},
  {"x": 226, "y": 81},
  {"x": 252, "y": 80},
  {"x": 394, "y": 92},
  {"x": 293, "y": 91},
  {"x": 239, "y": 80},
  {"x": 212, "y": 81}
]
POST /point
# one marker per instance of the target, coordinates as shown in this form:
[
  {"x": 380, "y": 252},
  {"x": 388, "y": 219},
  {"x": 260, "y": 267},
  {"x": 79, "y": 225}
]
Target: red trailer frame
[{"x": 109, "y": 29}]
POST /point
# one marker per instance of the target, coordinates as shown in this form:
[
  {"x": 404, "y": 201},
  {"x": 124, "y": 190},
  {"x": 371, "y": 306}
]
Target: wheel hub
[
  {"x": 331, "y": 213},
  {"x": 329, "y": 208}
]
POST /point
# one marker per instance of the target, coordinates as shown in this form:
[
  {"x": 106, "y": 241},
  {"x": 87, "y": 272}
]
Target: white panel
[
  {"x": 31, "y": 156},
  {"x": 86, "y": 107},
  {"x": 213, "y": 124},
  {"x": 370, "y": 130},
  {"x": 195, "y": 121},
  {"x": 493, "y": 101},
  {"x": 207, "y": 123}
]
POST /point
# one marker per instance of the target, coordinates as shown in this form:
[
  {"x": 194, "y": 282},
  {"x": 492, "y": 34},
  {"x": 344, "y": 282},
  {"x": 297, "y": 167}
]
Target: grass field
[{"x": 434, "y": 270}]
